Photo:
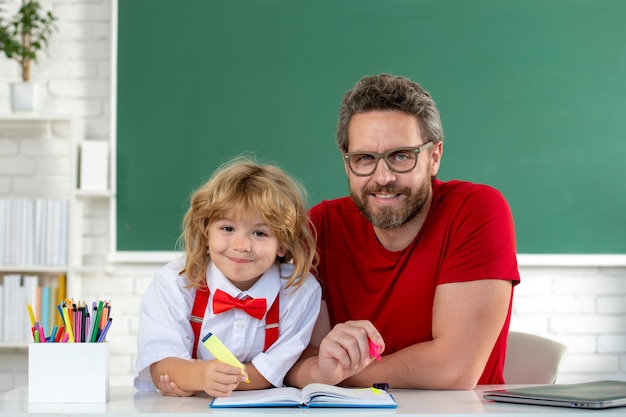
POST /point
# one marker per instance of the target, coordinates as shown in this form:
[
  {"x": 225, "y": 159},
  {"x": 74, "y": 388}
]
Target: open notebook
[
  {"x": 313, "y": 395},
  {"x": 592, "y": 395}
]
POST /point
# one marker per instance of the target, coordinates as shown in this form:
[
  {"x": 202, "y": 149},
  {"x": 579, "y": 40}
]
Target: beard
[{"x": 392, "y": 217}]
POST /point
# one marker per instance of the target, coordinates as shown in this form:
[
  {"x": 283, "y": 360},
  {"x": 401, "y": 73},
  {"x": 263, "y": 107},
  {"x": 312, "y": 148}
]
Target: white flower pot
[{"x": 25, "y": 96}]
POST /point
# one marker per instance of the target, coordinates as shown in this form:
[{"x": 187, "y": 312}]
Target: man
[{"x": 422, "y": 268}]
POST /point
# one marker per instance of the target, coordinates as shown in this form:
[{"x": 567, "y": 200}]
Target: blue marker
[{"x": 105, "y": 330}]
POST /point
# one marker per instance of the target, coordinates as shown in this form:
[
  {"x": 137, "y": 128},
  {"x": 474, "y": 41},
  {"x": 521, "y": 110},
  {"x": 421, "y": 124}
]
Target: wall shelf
[{"x": 49, "y": 145}]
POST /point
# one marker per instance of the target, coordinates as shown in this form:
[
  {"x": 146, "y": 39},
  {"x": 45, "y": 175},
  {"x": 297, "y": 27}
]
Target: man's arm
[{"x": 467, "y": 320}]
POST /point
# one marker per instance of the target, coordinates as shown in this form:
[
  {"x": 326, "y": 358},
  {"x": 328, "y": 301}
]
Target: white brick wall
[{"x": 583, "y": 307}]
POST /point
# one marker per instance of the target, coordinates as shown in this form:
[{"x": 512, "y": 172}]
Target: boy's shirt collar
[{"x": 266, "y": 287}]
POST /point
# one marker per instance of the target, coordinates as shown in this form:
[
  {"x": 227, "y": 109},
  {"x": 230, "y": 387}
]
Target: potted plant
[{"x": 21, "y": 38}]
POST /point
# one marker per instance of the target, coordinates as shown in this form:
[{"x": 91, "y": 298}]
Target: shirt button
[{"x": 240, "y": 325}]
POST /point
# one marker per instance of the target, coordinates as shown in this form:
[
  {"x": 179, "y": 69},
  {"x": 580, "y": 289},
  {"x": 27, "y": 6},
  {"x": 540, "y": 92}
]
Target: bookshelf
[{"x": 40, "y": 155}]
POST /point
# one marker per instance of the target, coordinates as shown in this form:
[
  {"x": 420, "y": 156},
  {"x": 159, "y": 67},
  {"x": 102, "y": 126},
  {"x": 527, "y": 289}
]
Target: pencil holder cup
[{"x": 68, "y": 372}]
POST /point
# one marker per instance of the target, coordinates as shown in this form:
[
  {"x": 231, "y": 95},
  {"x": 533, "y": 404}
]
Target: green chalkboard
[{"x": 532, "y": 95}]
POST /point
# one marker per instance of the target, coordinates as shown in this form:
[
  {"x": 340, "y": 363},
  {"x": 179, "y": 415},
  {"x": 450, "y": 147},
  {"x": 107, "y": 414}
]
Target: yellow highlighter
[{"x": 220, "y": 351}]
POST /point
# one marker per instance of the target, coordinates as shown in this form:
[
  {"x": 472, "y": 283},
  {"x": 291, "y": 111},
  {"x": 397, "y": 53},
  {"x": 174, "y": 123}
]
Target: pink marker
[{"x": 374, "y": 350}]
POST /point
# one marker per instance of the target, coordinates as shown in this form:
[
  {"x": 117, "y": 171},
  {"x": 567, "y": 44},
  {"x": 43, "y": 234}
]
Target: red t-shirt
[{"x": 468, "y": 235}]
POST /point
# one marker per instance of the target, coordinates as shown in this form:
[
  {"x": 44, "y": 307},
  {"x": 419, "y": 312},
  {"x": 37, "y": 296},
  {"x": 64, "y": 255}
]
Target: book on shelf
[
  {"x": 31, "y": 287},
  {"x": 2, "y": 313},
  {"x": 43, "y": 293},
  {"x": 3, "y": 233},
  {"x": 11, "y": 307},
  {"x": 94, "y": 165},
  {"x": 313, "y": 395},
  {"x": 61, "y": 293},
  {"x": 34, "y": 232}
]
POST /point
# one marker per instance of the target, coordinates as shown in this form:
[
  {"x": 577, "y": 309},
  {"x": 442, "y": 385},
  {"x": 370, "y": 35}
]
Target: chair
[{"x": 532, "y": 359}]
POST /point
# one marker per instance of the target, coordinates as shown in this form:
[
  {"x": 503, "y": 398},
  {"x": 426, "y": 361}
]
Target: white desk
[{"x": 126, "y": 401}]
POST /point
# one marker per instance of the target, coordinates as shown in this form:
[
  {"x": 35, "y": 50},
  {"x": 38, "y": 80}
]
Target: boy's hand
[
  {"x": 218, "y": 379},
  {"x": 221, "y": 379},
  {"x": 169, "y": 388}
]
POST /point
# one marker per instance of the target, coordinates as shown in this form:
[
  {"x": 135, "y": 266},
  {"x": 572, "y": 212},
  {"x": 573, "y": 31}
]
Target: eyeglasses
[{"x": 400, "y": 160}]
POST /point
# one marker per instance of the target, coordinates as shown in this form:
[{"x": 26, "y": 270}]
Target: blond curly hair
[{"x": 245, "y": 185}]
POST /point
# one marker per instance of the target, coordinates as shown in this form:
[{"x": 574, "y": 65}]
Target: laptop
[{"x": 590, "y": 395}]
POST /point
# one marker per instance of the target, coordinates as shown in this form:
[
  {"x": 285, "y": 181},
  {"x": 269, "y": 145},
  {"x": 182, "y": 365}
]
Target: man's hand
[
  {"x": 345, "y": 350},
  {"x": 336, "y": 354}
]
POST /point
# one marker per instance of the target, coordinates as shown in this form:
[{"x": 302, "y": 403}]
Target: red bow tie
[{"x": 255, "y": 307}]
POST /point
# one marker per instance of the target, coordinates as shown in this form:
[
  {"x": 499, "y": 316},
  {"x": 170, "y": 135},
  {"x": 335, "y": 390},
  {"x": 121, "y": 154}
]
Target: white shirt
[{"x": 164, "y": 328}]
